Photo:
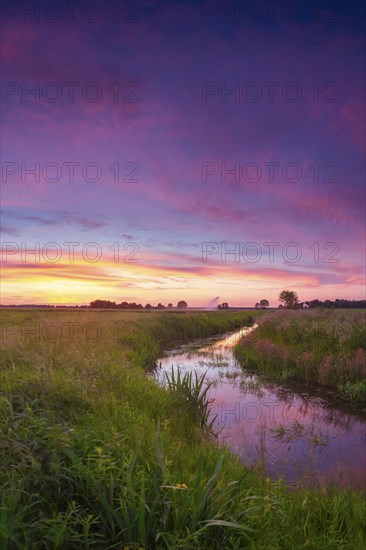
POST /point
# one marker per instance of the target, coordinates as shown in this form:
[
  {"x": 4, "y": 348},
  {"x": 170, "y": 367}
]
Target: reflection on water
[{"x": 301, "y": 433}]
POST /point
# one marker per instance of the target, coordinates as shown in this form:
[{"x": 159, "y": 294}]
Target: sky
[{"x": 155, "y": 151}]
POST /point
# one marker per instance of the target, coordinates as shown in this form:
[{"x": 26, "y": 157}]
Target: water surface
[{"x": 302, "y": 433}]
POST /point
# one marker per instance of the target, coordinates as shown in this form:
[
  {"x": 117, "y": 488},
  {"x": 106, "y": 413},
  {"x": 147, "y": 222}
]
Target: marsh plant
[{"x": 191, "y": 392}]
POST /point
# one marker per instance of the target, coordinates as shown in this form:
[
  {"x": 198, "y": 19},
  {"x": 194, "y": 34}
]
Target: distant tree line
[
  {"x": 290, "y": 300},
  {"x": 107, "y": 304},
  {"x": 337, "y": 303}
]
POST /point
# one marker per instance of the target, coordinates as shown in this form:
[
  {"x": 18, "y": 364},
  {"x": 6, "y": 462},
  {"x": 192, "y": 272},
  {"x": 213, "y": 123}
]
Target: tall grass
[
  {"x": 326, "y": 347},
  {"x": 144, "y": 352},
  {"x": 95, "y": 454}
]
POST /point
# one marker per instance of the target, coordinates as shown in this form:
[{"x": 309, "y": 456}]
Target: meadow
[
  {"x": 322, "y": 346},
  {"x": 95, "y": 454}
]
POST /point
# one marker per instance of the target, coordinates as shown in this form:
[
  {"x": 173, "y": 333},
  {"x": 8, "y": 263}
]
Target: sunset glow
[{"x": 199, "y": 137}]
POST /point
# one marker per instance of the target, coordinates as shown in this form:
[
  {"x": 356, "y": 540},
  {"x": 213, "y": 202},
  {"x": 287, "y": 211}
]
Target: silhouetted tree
[
  {"x": 263, "y": 304},
  {"x": 289, "y": 298},
  {"x": 182, "y": 304}
]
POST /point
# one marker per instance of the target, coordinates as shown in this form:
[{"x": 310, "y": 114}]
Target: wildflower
[{"x": 180, "y": 486}]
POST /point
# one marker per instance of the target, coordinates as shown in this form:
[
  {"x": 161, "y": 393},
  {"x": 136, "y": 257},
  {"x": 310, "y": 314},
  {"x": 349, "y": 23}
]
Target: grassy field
[
  {"x": 327, "y": 347},
  {"x": 94, "y": 454}
]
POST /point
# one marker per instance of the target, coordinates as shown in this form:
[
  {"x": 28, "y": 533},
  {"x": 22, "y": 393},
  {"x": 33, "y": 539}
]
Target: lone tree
[
  {"x": 263, "y": 304},
  {"x": 182, "y": 304},
  {"x": 289, "y": 298}
]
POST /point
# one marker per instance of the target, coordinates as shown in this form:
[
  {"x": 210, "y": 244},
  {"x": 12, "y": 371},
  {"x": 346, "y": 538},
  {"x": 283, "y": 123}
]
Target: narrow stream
[{"x": 302, "y": 433}]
